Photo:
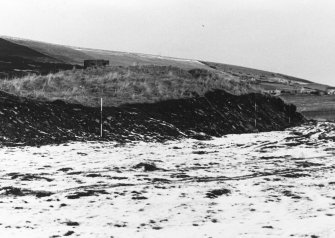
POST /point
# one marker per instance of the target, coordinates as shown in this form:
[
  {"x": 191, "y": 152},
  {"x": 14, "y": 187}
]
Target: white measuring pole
[
  {"x": 101, "y": 118},
  {"x": 289, "y": 115},
  {"x": 255, "y": 113}
]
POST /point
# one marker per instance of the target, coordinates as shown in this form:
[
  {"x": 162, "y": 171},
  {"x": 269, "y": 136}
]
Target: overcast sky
[{"x": 294, "y": 37}]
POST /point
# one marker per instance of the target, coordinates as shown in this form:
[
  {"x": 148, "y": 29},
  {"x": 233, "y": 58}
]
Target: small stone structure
[{"x": 95, "y": 63}]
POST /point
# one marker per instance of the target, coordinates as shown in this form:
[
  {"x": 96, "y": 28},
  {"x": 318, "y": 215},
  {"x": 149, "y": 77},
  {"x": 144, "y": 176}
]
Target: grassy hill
[{"x": 122, "y": 85}]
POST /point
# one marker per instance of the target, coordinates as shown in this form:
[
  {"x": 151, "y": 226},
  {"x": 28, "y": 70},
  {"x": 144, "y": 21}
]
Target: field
[
  {"x": 314, "y": 106},
  {"x": 274, "y": 184}
]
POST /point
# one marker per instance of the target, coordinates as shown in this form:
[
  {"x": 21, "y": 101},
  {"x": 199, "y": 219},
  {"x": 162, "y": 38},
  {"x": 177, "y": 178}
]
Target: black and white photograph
[{"x": 167, "y": 118}]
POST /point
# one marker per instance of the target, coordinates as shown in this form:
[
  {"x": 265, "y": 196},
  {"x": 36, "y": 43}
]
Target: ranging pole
[
  {"x": 255, "y": 112},
  {"x": 289, "y": 115},
  {"x": 101, "y": 118}
]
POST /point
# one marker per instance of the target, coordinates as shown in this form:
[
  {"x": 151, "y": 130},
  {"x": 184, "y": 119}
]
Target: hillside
[
  {"x": 23, "y": 61},
  {"x": 31, "y": 122},
  {"x": 12, "y": 50},
  {"x": 17, "y": 60},
  {"x": 63, "y": 53},
  {"x": 77, "y": 55}
]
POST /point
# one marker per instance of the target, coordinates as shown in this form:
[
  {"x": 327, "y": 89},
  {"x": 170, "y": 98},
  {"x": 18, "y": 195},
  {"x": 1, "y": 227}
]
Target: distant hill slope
[
  {"x": 18, "y": 60},
  {"x": 63, "y": 53},
  {"x": 249, "y": 72},
  {"x": 11, "y": 50},
  {"x": 77, "y": 55},
  {"x": 128, "y": 59}
]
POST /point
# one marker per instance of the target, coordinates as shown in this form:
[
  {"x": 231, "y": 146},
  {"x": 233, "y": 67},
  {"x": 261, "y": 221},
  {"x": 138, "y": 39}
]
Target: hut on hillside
[{"x": 95, "y": 63}]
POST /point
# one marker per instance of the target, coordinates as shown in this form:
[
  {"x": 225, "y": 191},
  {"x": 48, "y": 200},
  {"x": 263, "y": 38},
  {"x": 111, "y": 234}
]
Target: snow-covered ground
[{"x": 275, "y": 184}]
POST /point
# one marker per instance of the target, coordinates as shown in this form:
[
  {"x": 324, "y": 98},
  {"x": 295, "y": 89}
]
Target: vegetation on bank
[{"x": 122, "y": 85}]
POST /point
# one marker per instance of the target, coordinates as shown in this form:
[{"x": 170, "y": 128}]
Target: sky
[{"x": 294, "y": 37}]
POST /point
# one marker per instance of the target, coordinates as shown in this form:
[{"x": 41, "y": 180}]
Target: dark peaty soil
[{"x": 31, "y": 122}]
